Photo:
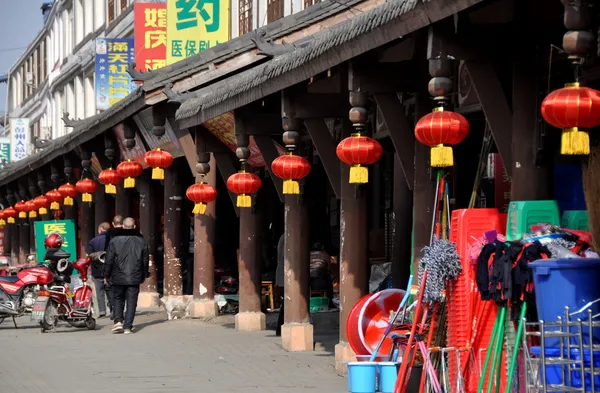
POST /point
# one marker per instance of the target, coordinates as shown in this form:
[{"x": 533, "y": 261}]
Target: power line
[{"x": 12, "y": 49}]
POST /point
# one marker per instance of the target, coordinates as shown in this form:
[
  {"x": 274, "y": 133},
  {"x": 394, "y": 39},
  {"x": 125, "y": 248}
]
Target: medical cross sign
[{"x": 19, "y": 139}]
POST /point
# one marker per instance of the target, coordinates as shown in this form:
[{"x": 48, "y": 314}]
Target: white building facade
[{"x": 56, "y": 72}]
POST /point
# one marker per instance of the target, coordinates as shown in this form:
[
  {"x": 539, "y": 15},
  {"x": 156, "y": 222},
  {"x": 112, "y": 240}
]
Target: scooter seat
[{"x": 9, "y": 279}]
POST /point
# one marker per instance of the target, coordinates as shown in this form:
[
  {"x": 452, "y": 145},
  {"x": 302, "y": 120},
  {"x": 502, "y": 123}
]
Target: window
[
  {"x": 38, "y": 63},
  {"x": 274, "y": 10},
  {"x": 245, "y": 16},
  {"x": 111, "y": 10},
  {"x": 308, "y": 3},
  {"x": 116, "y": 8},
  {"x": 123, "y": 5},
  {"x": 44, "y": 52}
]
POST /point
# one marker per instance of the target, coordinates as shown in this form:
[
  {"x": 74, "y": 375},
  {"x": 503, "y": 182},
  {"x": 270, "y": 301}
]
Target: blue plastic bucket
[
  {"x": 566, "y": 282},
  {"x": 388, "y": 373},
  {"x": 554, "y": 372},
  {"x": 362, "y": 377}
]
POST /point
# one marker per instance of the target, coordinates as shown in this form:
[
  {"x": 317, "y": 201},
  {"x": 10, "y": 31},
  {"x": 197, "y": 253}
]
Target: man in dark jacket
[
  {"x": 98, "y": 244},
  {"x": 117, "y": 224},
  {"x": 126, "y": 266}
]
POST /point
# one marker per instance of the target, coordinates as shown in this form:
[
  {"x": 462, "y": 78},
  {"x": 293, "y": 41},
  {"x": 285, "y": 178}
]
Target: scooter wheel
[{"x": 90, "y": 323}]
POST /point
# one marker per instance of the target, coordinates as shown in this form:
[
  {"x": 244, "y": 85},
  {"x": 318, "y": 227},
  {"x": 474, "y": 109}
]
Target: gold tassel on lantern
[
  {"x": 244, "y": 200},
  {"x": 441, "y": 156},
  {"x": 32, "y": 214},
  {"x": 22, "y": 215},
  {"x": 68, "y": 201},
  {"x": 359, "y": 174},
  {"x": 43, "y": 210},
  {"x": 54, "y": 206},
  {"x": 86, "y": 197},
  {"x": 574, "y": 142},
  {"x": 110, "y": 189},
  {"x": 129, "y": 182},
  {"x": 199, "y": 208},
  {"x": 11, "y": 220},
  {"x": 158, "y": 174},
  {"x": 2, "y": 223},
  {"x": 291, "y": 187}
]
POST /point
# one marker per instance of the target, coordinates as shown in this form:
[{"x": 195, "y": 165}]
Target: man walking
[
  {"x": 98, "y": 244},
  {"x": 126, "y": 266},
  {"x": 117, "y": 224}
]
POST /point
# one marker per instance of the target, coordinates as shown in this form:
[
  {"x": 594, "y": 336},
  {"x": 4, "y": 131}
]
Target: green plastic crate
[
  {"x": 575, "y": 219},
  {"x": 318, "y": 304},
  {"x": 523, "y": 214}
]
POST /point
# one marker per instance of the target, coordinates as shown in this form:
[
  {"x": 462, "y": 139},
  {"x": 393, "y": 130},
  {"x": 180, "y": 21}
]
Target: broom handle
[
  {"x": 513, "y": 361},
  {"x": 429, "y": 340},
  {"x": 497, "y": 348},
  {"x": 435, "y": 207},
  {"x": 489, "y": 353}
]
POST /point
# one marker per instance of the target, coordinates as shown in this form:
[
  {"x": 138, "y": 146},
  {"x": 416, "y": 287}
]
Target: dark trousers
[
  {"x": 101, "y": 291},
  {"x": 125, "y": 294}
]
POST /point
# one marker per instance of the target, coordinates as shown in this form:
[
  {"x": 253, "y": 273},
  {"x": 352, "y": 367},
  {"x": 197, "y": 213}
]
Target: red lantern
[
  {"x": 201, "y": 194},
  {"x": 129, "y": 170},
  {"x": 110, "y": 178},
  {"x": 438, "y": 129},
  {"x": 31, "y": 208},
  {"x": 571, "y": 108},
  {"x": 55, "y": 199},
  {"x": 10, "y": 214},
  {"x": 68, "y": 191},
  {"x": 358, "y": 150},
  {"x": 158, "y": 160},
  {"x": 42, "y": 203},
  {"x": 86, "y": 187},
  {"x": 21, "y": 208},
  {"x": 244, "y": 184},
  {"x": 291, "y": 168}
]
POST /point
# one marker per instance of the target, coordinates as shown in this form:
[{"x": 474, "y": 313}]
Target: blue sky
[{"x": 20, "y": 21}]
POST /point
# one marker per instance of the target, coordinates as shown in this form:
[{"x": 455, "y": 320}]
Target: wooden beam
[
  {"x": 226, "y": 169},
  {"x": 318, "y": 106},
  {"x": 401, "y": 133},
  {"x": 328, "y": 85},
  {"x": 495, "y": 106},
  {"x": 321, "y": 137},
  {"x": 269, "y": 152},
  {"x": 187, "y": 143},
  {"x": 262, "y": 124}
]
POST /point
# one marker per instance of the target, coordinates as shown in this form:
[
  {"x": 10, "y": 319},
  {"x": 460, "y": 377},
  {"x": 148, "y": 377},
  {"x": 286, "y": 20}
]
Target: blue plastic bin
[
  {"x": 388, "y": 373},
  {"x": 362, "y": 377},
  {"x": 566, "y": 282},
  {"x": 554, "y": 372}
]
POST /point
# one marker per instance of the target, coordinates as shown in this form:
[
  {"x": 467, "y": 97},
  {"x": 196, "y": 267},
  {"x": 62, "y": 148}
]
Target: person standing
[
  {"x": 126, "y": 267},
  {"x": 98, "y": 244},
  {"x": 117, "y": 224}
]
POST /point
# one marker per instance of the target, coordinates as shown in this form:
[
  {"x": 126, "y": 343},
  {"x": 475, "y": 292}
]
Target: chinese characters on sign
[
  {"x": 150, "y": 36},
  {"x": 4, "y": 151},
  {"x": 64, "y": 227},
  {"x": 194, "y": 26},
  {"x": 501, "y": 184},
  {"x": 19, "y": 139},
  {"x": 113, "y": 83}
]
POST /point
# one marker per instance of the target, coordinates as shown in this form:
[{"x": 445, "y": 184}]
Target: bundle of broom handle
[
  {"x": 495, "y": 342},
  {"x": 513, "y": 361},
  {"x": 423, "y": 349},
  {"x": 407, "y": 353},
  {"x": 389, "y": 328}
]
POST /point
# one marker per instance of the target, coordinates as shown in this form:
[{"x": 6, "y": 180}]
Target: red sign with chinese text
[
  {"x": 150, "y": 36},
  {"x": 501, "y": 184}
]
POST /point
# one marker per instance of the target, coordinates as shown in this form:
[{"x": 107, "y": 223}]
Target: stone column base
[
  {"x": 343, "y": 354},
  {"x": 147, "y": 299},
  {"x": 250, "y": 321},
  {"x": 204, "y": 309},
  {"x": 297, "y": 337}
]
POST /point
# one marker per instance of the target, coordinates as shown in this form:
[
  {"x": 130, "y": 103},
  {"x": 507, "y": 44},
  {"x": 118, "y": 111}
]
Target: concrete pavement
[{"x": 175, "y": 356}]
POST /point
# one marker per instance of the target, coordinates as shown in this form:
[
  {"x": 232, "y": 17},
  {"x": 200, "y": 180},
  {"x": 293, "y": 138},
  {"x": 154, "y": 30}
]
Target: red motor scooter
[{"x": 56, "y": 303}]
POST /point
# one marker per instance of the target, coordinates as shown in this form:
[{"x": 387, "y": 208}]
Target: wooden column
[
  {"x": 174, "y": 194},
  {"x": 8, "y": 228},
  {"x": 148, "y": 215},
  {"x": 14, "y": 244},
  {"x": 402, "y": 205},
  {"x": 123, "y": 201},
  {"x": 32, "y": 221},
  {"x": 103, "y": 207},
  {"x": 86, "y": 225},
  {"x": 23, "y": 239}
]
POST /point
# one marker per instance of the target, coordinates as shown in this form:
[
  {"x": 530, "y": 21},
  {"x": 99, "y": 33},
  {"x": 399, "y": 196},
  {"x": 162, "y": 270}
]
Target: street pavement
[{"x": 162, "y": 356}]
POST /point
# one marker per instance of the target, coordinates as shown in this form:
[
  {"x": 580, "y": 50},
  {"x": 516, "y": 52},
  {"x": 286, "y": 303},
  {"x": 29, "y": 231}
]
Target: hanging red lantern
[
  {"x": 129, "y": 170},
  {"x": 440, "y": 128},
  {"x": 290, "y": 168},
  {"x": 31, "y": 208},
  {"x": 42, "y": 203},
  {"x": 201, "y": 194},
  {"x": 110, "y": 178},
  {"x": 55, "y": 198},
  {"x": 158, "y": 160},
  {"x": 244, "y": 184},
  {"x": 21, "y": 208},
  {"x": 571, "y": 108},
  {"x": 68, "y": 191},
  {"x": 10, "y": 214},
  {"x": 359, "y": 150},
  {"x": 2, "y": 218},
  {"x": 86, "y": 187}
]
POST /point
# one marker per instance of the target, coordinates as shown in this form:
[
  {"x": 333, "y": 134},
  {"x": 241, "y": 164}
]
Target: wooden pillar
[
  {"x": 8, "y": 228},
  {"x": 86, "y": 225},
  {"x": 174, "y": 194},
  {"x": 14, "y": 244},
  {"x": 103, "y": 207},
  {"x": 32, "y": 221},
  {"x": 23, "y": 239},
  {"x": 149, "y": 295},
  {"x": 123, "y": 201},
  {"x": 402, "y": 205}
]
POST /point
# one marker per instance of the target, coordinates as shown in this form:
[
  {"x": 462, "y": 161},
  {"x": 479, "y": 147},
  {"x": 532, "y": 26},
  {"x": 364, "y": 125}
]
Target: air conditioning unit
[{"x": 29, "y": 78}]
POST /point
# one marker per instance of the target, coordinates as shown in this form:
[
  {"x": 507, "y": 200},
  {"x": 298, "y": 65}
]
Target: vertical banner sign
[
  {"x": 4, "y": 151},
  {"x": 19, "y": 139},
  {"x": 150, "y": 36},
  {"x": 64, "y": 227},
  {"x": 501, "y": 184},
  {"x": 113, "y": 83},
  {"x": 194, "y": 26}
]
